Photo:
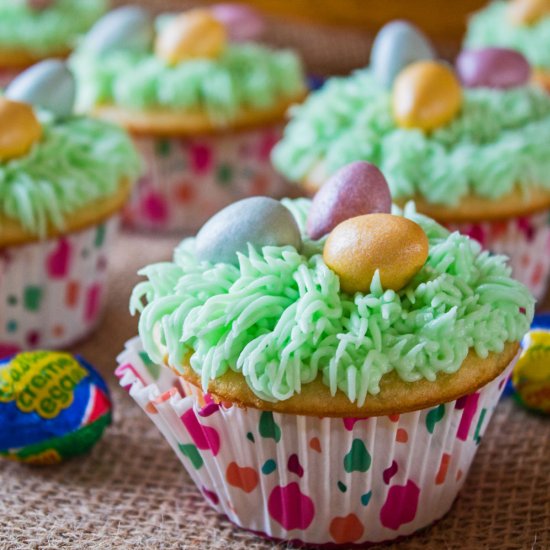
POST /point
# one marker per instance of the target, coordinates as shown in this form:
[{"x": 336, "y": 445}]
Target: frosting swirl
[{"x": 280, "y": 318}]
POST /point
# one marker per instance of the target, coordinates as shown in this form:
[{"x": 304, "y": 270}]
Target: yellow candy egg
[
  {"x": 356, "y": 248},
  {"x": 191, "y": 35},
  {"x": 526, "y": 12},
  {"x": 19, "y": 129},
  {"x": 426, "y": 95}
]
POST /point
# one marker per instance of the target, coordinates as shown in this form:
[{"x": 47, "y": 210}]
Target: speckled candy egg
[
  {"x": 426, "y": 95},
  {"x": 260, "y": 221},
  {"x": 397, "y": 45},
  {"x": 241, "y": 22},
  {"x": 126, "y": 28},
  {"x": 527, "y": 12},
  {"x": 48, "y": 84},
  {"x": 53, "y": 406},
  {"x": 193, "y": 34},
  {"x": 19, "y": 129},
  {"x": 356, "y": 189},
  {"x": 356, "y": 248},
  {"x": 492, "y": 68}
]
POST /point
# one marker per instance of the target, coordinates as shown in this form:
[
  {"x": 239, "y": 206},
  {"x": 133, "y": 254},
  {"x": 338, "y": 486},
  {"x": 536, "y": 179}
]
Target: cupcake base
[
  {"x": 318, "y": 481},
  {"x": 53, "y": 291}
]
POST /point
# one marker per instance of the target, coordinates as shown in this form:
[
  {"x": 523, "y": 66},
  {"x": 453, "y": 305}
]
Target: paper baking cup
[
  {"x": 52, "y": 292},
  {"x": 187, "y": 180},
  {"x": 525, "y": 240},
  {"x": 319, "y": 481}
]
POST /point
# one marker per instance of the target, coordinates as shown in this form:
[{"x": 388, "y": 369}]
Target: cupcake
[
  {"x": 522, "y": 25},
  {"x": 339, "y": 364},
  {"x": 63, "y": 181},
  {"x": 473, "y": 153},
  {"x": 203, "y": 113},
  {"x": 31, "y": 30}
]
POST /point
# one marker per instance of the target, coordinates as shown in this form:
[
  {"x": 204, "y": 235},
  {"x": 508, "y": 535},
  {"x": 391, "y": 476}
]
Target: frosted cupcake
[
  {"x": 204, "y": 113},
  {"x": 31, "y": 30},
  {"x": 522, "y": 25},
  {"x": 340, "y": 363},
  {"x": 63, "y": 181},
  {"x": 473, "y": 154}
]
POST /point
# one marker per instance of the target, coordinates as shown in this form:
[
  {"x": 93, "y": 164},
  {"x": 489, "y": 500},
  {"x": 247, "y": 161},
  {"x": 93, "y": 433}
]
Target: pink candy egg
[{"x": 241, "y": 22}]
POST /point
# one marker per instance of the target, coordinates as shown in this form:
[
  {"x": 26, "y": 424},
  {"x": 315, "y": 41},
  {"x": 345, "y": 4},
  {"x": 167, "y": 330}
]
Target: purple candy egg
[
  {"x": 492, "y": 68},
  {"x": 242, "y": 23},
  {"x": 356, "y": 189}
]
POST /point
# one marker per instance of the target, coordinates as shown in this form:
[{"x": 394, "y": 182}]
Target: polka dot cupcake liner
[
  {"x": 525, "y": 240},
  {"x": 187, "y": 180},
  {"x": 52, "y": 292},
  {"x": 318, "y": 481}
]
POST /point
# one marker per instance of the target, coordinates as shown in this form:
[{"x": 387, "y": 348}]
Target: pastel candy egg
[
  {"x": 241, "y": 22},
  {"x": 53, "y": 406},
  {"x": 356, "y": 189},
  {"x": 426, "y": 95},
  {"x": 126, "y": 28},
  {"x": 527, "y": 12},
  {"x": 19, "y": 129},
  {"x": 260, "y": 221},
  {"x": 194, "y": 34},
  {"x": 48, "y": 84},
  {"x": 397, "y": 45},
  {"x": 356, "y": 248},
  {"x": 493, "y": 68}
]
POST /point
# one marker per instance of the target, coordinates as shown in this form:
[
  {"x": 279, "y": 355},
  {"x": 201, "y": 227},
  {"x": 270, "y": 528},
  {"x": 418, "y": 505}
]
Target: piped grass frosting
[
  {"x": 497, "y": 142},
  {"x": 52, "y": 30},
  {"x": 492, "y": 27},
  {"x": 280, "y": 319}
]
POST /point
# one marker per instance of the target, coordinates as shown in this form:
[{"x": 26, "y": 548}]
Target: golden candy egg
[
  {"x": 19, "y": 129},
  {"x": 356, "y": 248},
  {"x": 426, "y": 95},
  {"x": 527, "y": 12},
  {"x": 191, "y": 35}
]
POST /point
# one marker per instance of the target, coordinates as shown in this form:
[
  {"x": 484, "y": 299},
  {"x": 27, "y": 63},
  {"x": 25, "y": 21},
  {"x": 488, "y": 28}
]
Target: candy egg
[
  {"x": 260, "y": 221},
  {"x": 356, "y": 189},
  {"x": 426, "y": 95},
  {"x": 492, "y": 68},
  {"x": 194, "y": 34},
  {"x": 126, "y": 28},
  {"x": 48, "y": 84},
  {"x": 397, "y": 45},
  {"x": 53, "y": 406},
  {"x": 356, "y": 248},
  {"x": 526, "y": 12},
  {"x": 19, "y": 129},
  {"x": 241, "y": 22}
]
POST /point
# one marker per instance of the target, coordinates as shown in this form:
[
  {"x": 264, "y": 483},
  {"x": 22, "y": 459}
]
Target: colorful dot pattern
[
  {"x": 319, "y": 480},
  {"x": 51, "y": 294}
]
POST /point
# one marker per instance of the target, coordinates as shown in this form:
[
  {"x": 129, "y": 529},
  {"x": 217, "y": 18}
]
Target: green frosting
[
  {"x": 76, "y": 162},
  {"x": 44, "y": 32},
  {"x": 246, "y": 75},
  {"x": 280, "y": 318},
  {"x": 499, "y": 140},
  {"x": 491, "y": 27}
]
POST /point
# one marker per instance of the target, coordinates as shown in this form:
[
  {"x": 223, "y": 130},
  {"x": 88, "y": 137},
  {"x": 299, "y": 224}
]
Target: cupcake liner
[
  {"x": 525, "y": 240},
  {"x": 187, "y": 180},
  {"x": 52, "y": 292},
  {"x": 315, "y": 480}
]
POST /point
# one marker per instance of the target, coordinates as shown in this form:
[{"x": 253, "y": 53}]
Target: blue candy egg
[
  {"x": 48, "y": 84},
  {"x": 259, "y": 221},
  {"x": 398, "y": 44}
]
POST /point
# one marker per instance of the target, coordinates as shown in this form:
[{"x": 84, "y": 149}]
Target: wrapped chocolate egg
[
  {"x": 356, "y": 189},
  {"x": 426, "y": 95},
  {"x": 241, "y": 22},
  {"x": 19, "y": 129},
  {"x": 527, "y": 12},
  {"x": 395, "y": 246},
  {"x": 397, "y": 45},
  {"x": 259, "y": 221},
  {"x": 191, "y": 35},
  {"x": 48, "y": 84},
  {"x": 53, "y": 406}
]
